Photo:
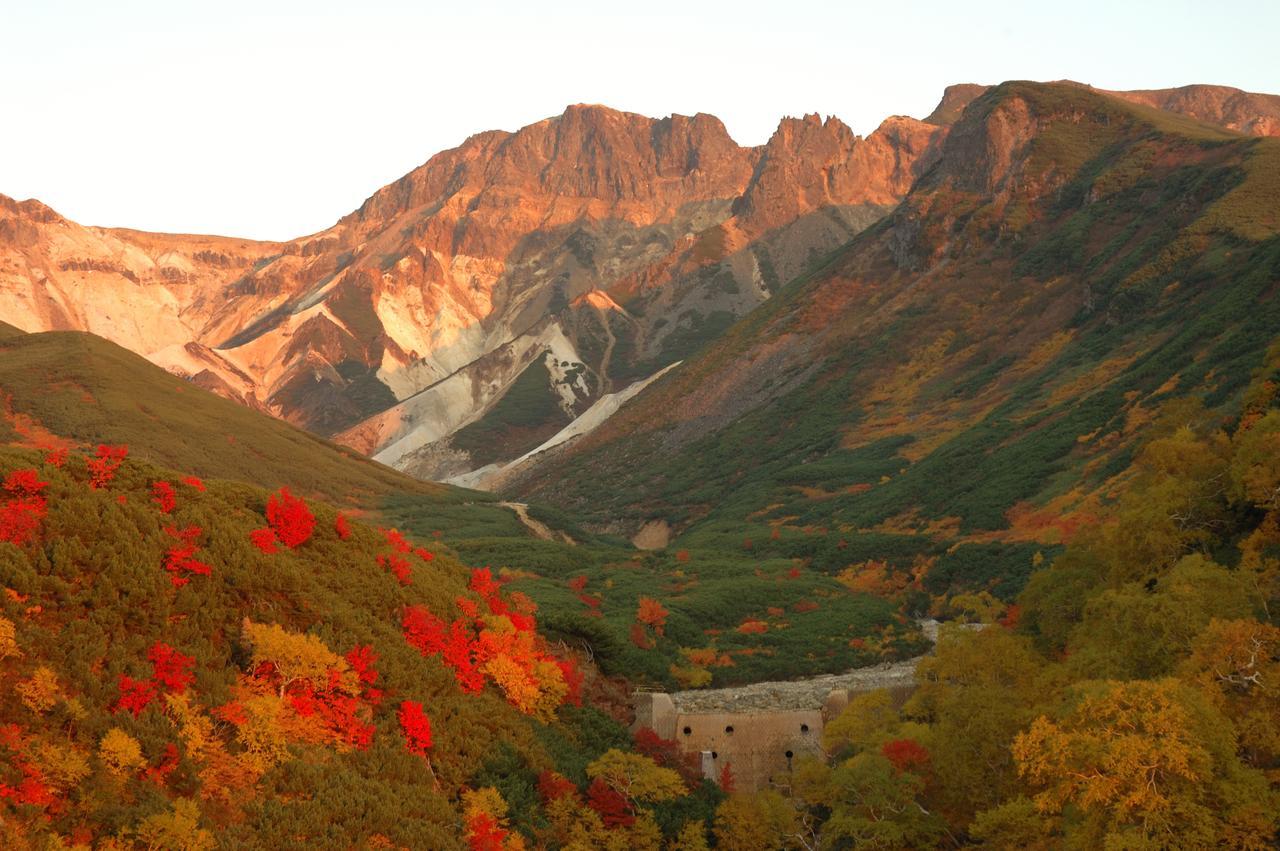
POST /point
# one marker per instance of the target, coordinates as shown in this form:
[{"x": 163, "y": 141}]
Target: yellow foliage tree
[
  {"x": 63, "y": 766},
  {"x": 8, "y": 639},
  {"x": 1143, "y": 761},
  {"x": 297, "y": 656},
  {"x": 40, "y": 692},
  {"x": 636, "y": 778},
  {"x": 760, "y": 822},
  {"x": 120, "y": 752},
  {"x": 176, "y": 830}
]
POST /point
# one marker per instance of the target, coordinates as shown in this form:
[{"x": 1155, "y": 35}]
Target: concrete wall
[{"x": 756, "y": 745}]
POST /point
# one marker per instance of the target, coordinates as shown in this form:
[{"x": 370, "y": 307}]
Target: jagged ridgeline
[{"x": 966, "y": 379}]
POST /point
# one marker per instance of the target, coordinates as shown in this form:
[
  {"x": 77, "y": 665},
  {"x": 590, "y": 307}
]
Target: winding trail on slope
[{"x": 537, "y": 527}]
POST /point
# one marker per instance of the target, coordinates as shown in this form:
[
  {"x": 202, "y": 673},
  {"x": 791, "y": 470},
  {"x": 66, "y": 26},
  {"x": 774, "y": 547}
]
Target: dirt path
[{"x": 538, "y": 528}]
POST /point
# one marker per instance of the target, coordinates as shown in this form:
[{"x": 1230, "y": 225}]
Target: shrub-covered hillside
[{"x": 190, "y": 664}]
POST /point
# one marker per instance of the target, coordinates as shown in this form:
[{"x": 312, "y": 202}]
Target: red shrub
[
  {"x": 102, "y": 467},
  {"x": 573, "y": 679},
  {"x": 416, "y": 727},
  {"x": 163, "y": 496},
  {"x": 55, "y": 457},
  {"x": 180, "y": 559},
  {"x": 398, "y": 565},
  {"x": 342, "y": 527},
  {"x": 290, "y": 518},
  {"x": 24, "y": 483},
  {"x": 194, "y": 481},
  {"x": 396, "y": 541},
  {"x": 265, "y": 540}
]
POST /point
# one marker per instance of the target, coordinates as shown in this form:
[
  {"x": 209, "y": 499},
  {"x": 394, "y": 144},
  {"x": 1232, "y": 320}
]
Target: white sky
[{"x": 272, "y": 119}]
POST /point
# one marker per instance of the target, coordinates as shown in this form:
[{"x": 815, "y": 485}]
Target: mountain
[
  {"x": 965, "y": 378},
  {"x": 568, "y": 259},
  {"x": 1244, "y": 112}
]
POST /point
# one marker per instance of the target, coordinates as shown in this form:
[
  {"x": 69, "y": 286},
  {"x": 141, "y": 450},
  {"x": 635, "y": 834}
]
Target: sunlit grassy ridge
[{"x": 92, "y": 391}]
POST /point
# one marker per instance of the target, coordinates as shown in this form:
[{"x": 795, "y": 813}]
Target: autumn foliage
[
  {"x": 415, "y": 726},
  {"x": 163, "y": 496},
  {"x": 105, "y": 463},
  {"x": 180, "y": 560},
  {"x": 24, "y": 507},
  {"x": 290, "y": 519},
  {"x": 499, "y": 644}
]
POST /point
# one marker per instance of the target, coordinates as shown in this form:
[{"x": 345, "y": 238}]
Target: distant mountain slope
[
  {"x": 976, "y": 366},
  {"x": 1249, "y": 113}
]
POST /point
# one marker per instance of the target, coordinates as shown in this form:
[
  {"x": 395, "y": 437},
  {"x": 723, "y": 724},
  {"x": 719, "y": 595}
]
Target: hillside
[
  {"x": 174, "y": 680},
  {"x": 957, "y": 389},
  {"x": 76, "y": 389}
]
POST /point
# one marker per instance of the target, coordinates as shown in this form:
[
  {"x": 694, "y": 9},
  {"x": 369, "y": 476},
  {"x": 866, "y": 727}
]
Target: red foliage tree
[
  {"x": 163, "y": 496},
  {"x": 194, "y": 482},
  {"x": 103, "y": 466},
  {"x": 290, "y": 518},
  {"x": 135, "y": 695},
  {"x": 651, "y": 613},
  {"x": 416, "y": 727},
  {"x": 906, "y": 755},
  {"x": 171, "y": 670},
  {"x": 342, "y": 527},
  {"x": 159, "y": 773},
  {"x": 553, "y": 786},
  {"x": 361, "y": 658},
  {"x": 609, "y": 804},
  {"x": 55, "y": 457},
  {"x": 485, "y": 834}
]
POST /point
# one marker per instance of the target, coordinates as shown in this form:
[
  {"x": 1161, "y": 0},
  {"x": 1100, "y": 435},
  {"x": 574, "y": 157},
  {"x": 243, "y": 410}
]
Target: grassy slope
[
  {"x": 89, "y": 390},
  {"x": 987, "y": 360}
]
